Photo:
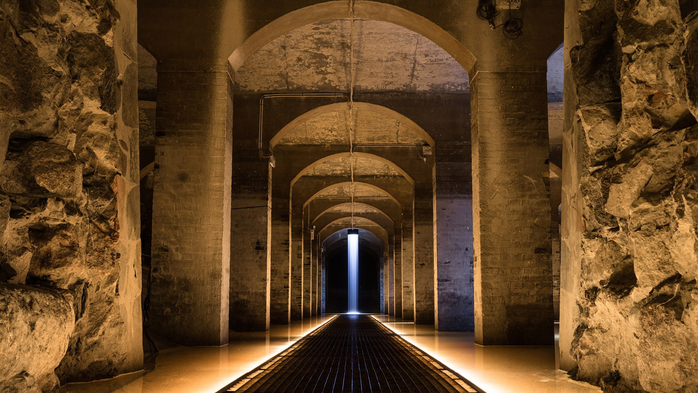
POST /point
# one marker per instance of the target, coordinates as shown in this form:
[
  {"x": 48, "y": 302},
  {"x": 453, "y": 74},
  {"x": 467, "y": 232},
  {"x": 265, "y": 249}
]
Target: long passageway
[{"x": 352, "y": 353}]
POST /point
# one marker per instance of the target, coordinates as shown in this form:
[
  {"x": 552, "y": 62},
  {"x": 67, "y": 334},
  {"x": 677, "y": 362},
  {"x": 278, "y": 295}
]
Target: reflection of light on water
[{"x": 353, "y": 254}]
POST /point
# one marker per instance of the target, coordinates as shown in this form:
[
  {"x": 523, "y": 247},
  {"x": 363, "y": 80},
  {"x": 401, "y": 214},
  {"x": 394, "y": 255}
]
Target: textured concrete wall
[
  {"x": 307, "y": 272},
  {"x": 317, "y": 264},
  {"x": 69, "y": 190},
  {"x": 249, "y": 261},
  {"x": 389, "y": 279},
  {"x": 424, "y": 253},
  {"x": 323, "y": 280},
  {"x": 511, "y": 209},
  {"x": 407, "y": 270},
  {"x": 191, "y": 211},
  {"x": 455, "y": 262},
  {"x": 298, "y": 273},
  {"x": 280, "y": 279},
  {"x": 397, "y": 275},
  {"x": 628, "y": 322}
]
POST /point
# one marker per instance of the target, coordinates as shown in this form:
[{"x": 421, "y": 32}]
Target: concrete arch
[
  {"x": 362, "y": 10},
  {"x": 374, "y": 210},
  {"x": 359, "y": 222},
  {"x": 368, "y": 156},
  {"x": 342, "y": 184},
  {"x": 340, "y": 106},
  {"x": 379, "y": 219},
  {"x": 383, "y": 238},
  {"x": 318, "y": 206},
  {"x": 364, "y": 234}
]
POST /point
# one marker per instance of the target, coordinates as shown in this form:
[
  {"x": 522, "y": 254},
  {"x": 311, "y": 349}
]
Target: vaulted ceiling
[{"x": 386, "y": 57}]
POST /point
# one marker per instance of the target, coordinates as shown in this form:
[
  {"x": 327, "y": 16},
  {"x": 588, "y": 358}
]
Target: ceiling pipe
[{"x": 260, "y": 137}]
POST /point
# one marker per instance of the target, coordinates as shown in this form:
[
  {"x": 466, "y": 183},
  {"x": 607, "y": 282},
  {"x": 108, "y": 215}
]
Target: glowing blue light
[{"x": 353, "y": 254}]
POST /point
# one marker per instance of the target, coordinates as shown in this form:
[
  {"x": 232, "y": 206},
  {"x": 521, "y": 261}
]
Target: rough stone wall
[
  {"x": 69, "y": 181},
  {"x": 35, "y": 329},
  {"x": 629, "y": 250}
]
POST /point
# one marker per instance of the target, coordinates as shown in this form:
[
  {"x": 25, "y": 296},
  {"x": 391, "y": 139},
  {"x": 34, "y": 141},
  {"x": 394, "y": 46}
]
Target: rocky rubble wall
[
  {"x": 35, "y": 325},
  {"x": 633, "y": 150},
  {"x": 69, "y": 177}
]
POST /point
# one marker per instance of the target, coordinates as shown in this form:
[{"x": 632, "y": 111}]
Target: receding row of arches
[{"x": 321, "y": 144}]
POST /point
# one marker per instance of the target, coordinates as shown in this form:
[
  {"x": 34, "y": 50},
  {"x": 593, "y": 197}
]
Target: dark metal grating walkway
[{"x": 352, "y": 353}]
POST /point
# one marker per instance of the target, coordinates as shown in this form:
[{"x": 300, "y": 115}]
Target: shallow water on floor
[{"x": 207, "y": 369}]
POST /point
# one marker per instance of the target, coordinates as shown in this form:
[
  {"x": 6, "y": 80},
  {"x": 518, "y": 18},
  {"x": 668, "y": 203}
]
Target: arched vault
[
  {"x": 362, "y": 10},
  {"x": 373, "y": 124}
]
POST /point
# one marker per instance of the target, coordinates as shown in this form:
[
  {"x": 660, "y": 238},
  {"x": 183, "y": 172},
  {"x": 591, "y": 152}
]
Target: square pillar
[
  {"x": 511, "y": 209},
  {"x": 407, "y": 270},
  {"x": 424, "y": 254},
  {"x": 396, "y": 281},
  {"x": 323, "y": 285},
  {"x": 280, "y": 255},
  {"x": 191, "y": 209},
  {"x": 454, "y": 242},
  {"x": 250, "y": 266},
  {"x": 307, "y": 270},
  {"x": 317, "y": 249},
  {"x": 298, "y": 268},
  {"x": 382, "y": 276},
  {"x": 388, "y": 279}
]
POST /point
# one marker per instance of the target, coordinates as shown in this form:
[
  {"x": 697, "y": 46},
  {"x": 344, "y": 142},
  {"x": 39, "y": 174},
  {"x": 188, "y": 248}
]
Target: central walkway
[{"x": 352, "y": 353}]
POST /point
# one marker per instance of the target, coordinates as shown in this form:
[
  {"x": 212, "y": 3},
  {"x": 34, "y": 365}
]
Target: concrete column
[
  {"x": 424, "y": 255},
  {"x": 396, "y": 281},
  {"x": 388, "y": 297},
  {"x": 317, "y": 302},
  {"x": 191, "y": 211},
  {"x": 323, "y": 282},
  {"x": 308, "y": 253},
  {"x": 407, "y": 270},
  {"x": 383, "y": 280},
  {"x": 454, "y": 241},
  {"x": 250, "y": 265},
  {"x": 280, "y": 256},
  {"x": 297, "y": 268},
  {"x": 511, "y": 208},
  {"x": 307, "y": 272}
]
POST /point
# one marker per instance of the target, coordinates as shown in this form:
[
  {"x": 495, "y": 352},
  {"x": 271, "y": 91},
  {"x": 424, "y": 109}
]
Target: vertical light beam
[{"x": 353, "y": 259}]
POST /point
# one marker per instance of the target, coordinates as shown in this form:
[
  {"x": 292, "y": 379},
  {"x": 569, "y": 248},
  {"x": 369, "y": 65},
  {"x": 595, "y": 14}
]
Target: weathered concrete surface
[
  {"x": 454, "y": 241},
  {"x": 192, "y": 199},
  {"x": 629, "y": 253},
  {"x": 316, "y": 56},
  {"x": 69, "y": 180},
  {"x": 407, "y": 272},
  {"x": 35, "y": 329},
  {"x": 511, "y": 209},
  {"x": 424, "y": 254},
  {"x": 249, "y": 264}
]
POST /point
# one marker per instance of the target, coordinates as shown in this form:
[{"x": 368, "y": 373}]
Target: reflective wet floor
[
  {"x": 209, "y": 369},
  {"x": 352, "y": 353}
]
